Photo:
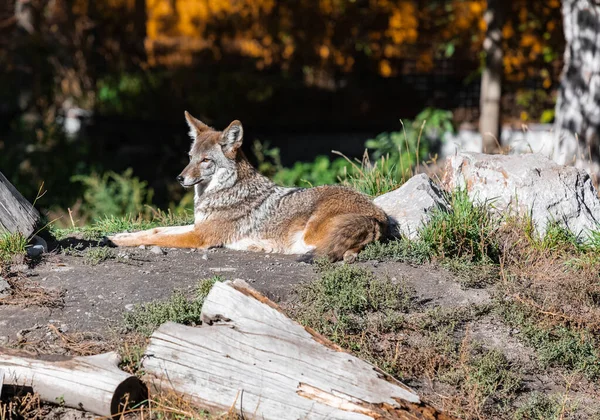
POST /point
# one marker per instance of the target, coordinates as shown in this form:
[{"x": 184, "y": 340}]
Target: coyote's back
[{"x": 237, "y": 207}]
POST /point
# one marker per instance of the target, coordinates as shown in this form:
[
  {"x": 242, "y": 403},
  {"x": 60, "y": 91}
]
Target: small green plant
[
  {"x": 145, "y": 318},
  {"x": 114, "y": 224},
  {"x": 96, "y": 255},
  {"x": 114, "y": 194},
  {"x": 374, "y": 178},
  {"x": 490, "y": 374},
  {"x": 340, "y": 300},
  {"x": 465, "y": 232},
  {"x": 401, "y": 250},
  {"x": 11, "y": 244},
  {"x": 558, "y": 239},
  {"x": 555, "y": 345},
  {"x": 539, "y": 407}
]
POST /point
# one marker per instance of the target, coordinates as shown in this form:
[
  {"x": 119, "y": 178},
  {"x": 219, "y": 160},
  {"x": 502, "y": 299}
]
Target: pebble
[
  {"x": 35, "y": 251},
  {"x": 129, "y": 307},
  {"x": 205, "y": 257},
  {"x": 157, "y": 250},
  {"x": 36, "y": 240},
  {"x": 142, "y": 247},
  {"x": 4, "y": 288},
  {"x": 222, "y": 269}
]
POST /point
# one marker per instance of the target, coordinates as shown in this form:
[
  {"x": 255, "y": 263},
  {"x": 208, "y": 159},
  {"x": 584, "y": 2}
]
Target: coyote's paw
[
  {"x": 350, "y": 257},
  {"x": 119, "y": 239}
]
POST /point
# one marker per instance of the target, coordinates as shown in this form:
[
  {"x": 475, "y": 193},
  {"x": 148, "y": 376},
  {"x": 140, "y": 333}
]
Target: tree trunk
[
  {"x": 577, "y": 124},
  {"x": 90, "y": 383},
  {"x": 250, "y": 356},
  {"x": 16, "y": 213},
  {"x": 491, "y": 79}
]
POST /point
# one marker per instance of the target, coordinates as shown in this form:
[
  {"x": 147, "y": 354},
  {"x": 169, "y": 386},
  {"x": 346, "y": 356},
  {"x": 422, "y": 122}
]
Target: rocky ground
[
  {"x": 76, "y": 294},
  {"x": 94, "y": 297}
]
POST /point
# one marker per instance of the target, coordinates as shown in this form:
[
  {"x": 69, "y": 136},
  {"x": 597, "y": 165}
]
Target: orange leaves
[
  {"x": 385, "y": 69},
  {"x": 403, "y": 23}
]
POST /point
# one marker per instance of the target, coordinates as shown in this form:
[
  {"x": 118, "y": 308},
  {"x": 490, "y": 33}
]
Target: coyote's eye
[{"x": 205, "y": 160}]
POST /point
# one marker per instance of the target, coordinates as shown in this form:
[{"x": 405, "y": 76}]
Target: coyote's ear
[
  {"x": 195, "y": 125},
  {"x": 231, "y": 139}
]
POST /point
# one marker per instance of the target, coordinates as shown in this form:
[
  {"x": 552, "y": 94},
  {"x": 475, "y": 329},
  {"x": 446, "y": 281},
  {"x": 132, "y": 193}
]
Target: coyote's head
[{"x": 212, "y": 164}]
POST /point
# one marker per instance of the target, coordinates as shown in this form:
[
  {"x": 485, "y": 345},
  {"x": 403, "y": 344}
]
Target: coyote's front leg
[{"x": 169, "y": 237}]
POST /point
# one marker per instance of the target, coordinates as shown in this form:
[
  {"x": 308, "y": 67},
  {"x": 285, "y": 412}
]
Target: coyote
[{"x": 238, "y": 208}]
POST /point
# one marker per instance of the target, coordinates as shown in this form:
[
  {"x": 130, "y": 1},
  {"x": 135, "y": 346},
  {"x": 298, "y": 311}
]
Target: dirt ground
[{"x": 94, "y": 297}]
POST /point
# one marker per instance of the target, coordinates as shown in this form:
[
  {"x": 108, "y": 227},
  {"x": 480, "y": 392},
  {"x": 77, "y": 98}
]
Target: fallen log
[
  {"x": 90, "y": 383},
  {"x": 16, "y": 213},
  {"x": 249, "y": 354}
]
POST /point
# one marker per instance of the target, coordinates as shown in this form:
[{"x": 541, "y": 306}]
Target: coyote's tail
[{"x": 348, "y": 234}]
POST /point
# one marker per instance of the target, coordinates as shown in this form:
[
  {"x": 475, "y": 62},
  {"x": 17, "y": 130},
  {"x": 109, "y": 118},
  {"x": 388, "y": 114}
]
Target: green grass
[
  {"x": 11, "y": 245},
  {"x": 490, "y": 374},
  {"x": 466, "y": 233},
  {"x": 111, "y": 224},
  {"x": 539, "y": 407},
  {"x": 147, "y": 317},
  {"x": 345, "y": 298},
  {"x": 555, "y": 345},
  {"x": 401, "y": 250},
  {"x": 96, "y": 255}
]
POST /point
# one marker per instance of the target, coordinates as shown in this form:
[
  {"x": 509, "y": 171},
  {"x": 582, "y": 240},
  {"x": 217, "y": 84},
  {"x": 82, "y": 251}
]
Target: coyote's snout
[{"x": 236, "y": 207}]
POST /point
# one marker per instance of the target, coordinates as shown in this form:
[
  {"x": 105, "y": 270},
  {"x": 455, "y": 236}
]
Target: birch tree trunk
[
  {"x": 491, "y": 79},
  {"x": 577, "y": 124}
]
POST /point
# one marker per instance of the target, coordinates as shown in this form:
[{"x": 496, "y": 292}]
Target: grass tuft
[
  {"x": 112, "y": 224},
  {"x": 96, "y": 255},
  {"x": 467, "y": 231},
  {"x": 147, "y": 317},
  {"x": 539, "y": 407},
  {"x": 11, "y": 244},
  {"x": 400, "y": 250},
  {"x": 576, "y": 350},
  {"x": 347, "y": 299}
]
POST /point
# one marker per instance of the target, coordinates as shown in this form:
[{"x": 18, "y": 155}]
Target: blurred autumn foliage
[
  {"x": 322, "y": 43},
  {"x": 279, "y": 66}
]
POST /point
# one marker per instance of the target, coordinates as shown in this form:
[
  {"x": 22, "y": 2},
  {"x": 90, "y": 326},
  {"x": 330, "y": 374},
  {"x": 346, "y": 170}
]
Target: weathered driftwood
[
  {"x": 248, "y": 353},
  {"x": 16, "y": 213},
  {"x": 90, "y": 383}
]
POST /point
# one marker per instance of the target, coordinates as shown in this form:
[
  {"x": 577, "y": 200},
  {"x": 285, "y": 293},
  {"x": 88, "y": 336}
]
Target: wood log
[
  {"x": 248, "y": 353},
  {"x": 16, "y": 213},
  {"x": 90, "y": 383}
]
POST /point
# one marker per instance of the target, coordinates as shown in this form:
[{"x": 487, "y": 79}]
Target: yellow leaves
[
  {"x": 324, "y": 52},
  {"x": 403, "y": 24},
  {"x": 508, "y": 31},
  {"x": 547, "y": 83},
  {"x": 385, "y": 68},
  {"x": 476, "y": 8}
]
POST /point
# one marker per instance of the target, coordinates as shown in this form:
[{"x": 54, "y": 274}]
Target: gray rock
[
  {"x": 37, "y": 240},
  {"x": 157, "y": 250},
  {"x": 4, "y": 288},
  {"x": 35, "y": 251},
  {"x": 409, "y": 207},
  {"x": 528, "y": 184},
  {"x": 142, "y": 247}
]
